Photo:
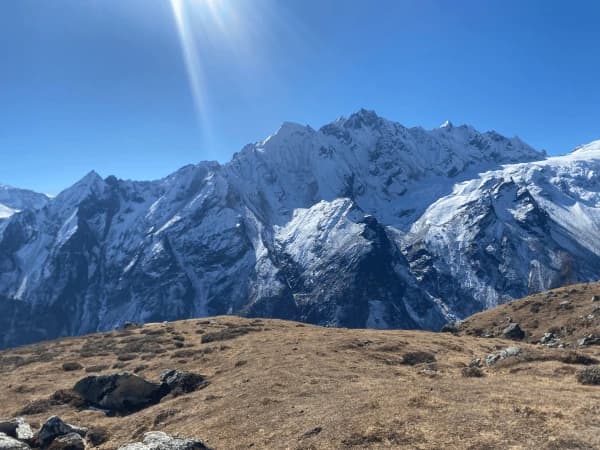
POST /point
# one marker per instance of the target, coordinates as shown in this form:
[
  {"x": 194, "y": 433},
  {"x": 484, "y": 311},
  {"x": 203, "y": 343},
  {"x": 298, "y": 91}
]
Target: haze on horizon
[{"x": 138, "y": 89}]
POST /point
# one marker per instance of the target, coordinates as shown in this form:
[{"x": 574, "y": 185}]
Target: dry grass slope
[
  {"x": 570, "y": 313},
  {"x": 282, "y": 385}
]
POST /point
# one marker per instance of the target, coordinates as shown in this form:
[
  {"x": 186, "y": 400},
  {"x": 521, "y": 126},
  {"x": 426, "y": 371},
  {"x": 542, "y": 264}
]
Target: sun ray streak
[{"x": 192, "y": 61}]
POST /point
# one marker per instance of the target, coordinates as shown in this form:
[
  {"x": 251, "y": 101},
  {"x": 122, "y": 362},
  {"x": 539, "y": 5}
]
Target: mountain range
[{"x": 362, "y": 223}]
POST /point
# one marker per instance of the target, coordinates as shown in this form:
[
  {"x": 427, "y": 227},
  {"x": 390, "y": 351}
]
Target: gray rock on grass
[{"x": 157, "y": 440}]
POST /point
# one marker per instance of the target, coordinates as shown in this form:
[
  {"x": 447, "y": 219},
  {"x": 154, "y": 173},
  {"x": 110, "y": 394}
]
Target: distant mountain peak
[
  {"x": 447, "y": 125},
  {"x": 363, "y": 118}
]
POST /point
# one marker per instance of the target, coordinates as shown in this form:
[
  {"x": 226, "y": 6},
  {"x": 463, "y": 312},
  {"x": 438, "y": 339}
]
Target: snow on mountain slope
[
  {"x": 388, "y": 170},
  {"x": 526, "y": 228},
  {"x": 306, "y": 225},
  {"x": 13, "y": 200}
]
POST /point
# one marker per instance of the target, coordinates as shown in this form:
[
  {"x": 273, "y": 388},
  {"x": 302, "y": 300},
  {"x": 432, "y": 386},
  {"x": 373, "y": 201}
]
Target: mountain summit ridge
[{"x": 327, "y": 226}]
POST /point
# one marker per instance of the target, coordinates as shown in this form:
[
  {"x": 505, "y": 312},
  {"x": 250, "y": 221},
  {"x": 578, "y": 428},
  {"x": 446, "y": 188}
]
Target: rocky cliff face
[
  {"x": 363, "y": 223},
  {"x": 508, "y": 233}
]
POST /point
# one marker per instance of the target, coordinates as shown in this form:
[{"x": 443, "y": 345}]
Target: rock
[
  {"x": 16, "y": 428},
  {"x": 70, "y": 366},
  {"x": 508, "y": 352},
  {"x": 589, "y": 375},
  {"x": 54, "y": 428},
  {"x": 120, "y": 393},
  {"x": 71, "y": 441},
  {"x": 157, "y": 440},
  {"x": 130, "y": 325},
  {"x": 475, "y": 362},
  {"x": 565, "y": 304},
  {"x": 10, "y": 443},
  {"x": 513, "y": 331},
  {"x": 547, "y": 338},
  {"x": 180, "y": 382},
  {"x": 595, "y": 298},
  {"x": 590, "y": 339},
  {"x": 492, "y": 359}
]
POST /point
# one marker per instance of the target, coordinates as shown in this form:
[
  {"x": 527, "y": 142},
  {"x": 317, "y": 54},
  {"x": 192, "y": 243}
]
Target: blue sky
[{"x": 104, "y": 84}]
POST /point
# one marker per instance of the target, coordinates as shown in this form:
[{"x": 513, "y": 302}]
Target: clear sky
[{"x": 138, "y": 88}]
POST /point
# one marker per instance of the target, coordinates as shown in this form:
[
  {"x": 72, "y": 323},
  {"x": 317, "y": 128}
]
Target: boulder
[
  {"x": 16, "y": 428},
  {"x": 71, "y": 441},
  {"x": 10, "y": 443},
  {"x": 120, "y": 393},
  {"x": 54, "y": 427},
  {"x": 179, "y": 382},
  {"x": 595, "y": 298},
  {"x": 157, "y": 440},
  {"x": 513, "y": 331}
]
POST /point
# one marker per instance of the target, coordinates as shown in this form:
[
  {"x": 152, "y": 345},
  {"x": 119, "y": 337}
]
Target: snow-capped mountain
[
  {"x": 13, "y": 200},
  {"x": 526, "y": 228},
  {"x": 350, "y": 225}
]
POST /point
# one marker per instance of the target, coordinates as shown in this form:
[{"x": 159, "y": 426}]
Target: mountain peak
[
  {"x": 447, "y": 125},
  {"x": 363, "y": 118}
]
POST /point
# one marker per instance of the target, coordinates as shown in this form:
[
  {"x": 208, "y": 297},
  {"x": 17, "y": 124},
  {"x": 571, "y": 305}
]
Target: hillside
[
  {"x": 565, "y": 315},
  {"x": 277, "y": 385}
]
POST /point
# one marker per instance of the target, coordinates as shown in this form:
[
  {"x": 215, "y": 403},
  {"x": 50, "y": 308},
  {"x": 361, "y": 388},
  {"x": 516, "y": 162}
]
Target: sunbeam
[{"x": 191, "y": 57}]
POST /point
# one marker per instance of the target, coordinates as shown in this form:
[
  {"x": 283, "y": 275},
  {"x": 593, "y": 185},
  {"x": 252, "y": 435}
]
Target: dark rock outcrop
[{"x": 121, "y": 393}]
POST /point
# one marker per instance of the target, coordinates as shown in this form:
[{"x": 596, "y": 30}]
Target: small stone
[
  {"x": 70, "y": 366},
  {"x": 492, "y": 359},
  {"x": 566, "y": 304},
  {"x": 475, "y": 362},
  {"x": 513, "y": 331},
  {"x": 547, "y": 338},
  {"x": 590, "y": 339}
]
